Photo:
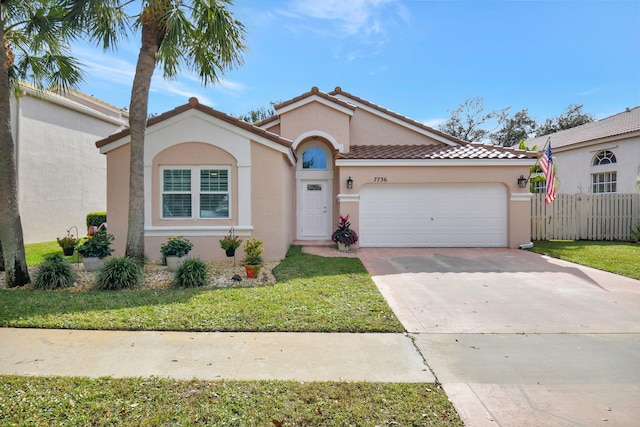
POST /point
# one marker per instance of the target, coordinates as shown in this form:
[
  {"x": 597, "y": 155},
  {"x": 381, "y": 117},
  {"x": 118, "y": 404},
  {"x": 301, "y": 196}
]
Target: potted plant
[
  {"x": 67, "y": 244},
  {"x": 253, "y": 257},
  {"x": 344, "y": 236},
  {"x": 94, "y": 249},
  {"x": 230, "y": 243},
  {"x": 175, "y": 250}
]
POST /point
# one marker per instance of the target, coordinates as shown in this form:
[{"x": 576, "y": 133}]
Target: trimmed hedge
[{"x": 96, "y": 219}]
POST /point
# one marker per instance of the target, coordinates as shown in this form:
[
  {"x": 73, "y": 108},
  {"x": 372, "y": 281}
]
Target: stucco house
[
  {"x": 598, "y": 157},
  {"x": 60, "y": 175},
  {"x": 289, "y": 177}
]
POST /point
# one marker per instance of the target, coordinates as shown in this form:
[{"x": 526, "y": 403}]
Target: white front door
[{"x": 314, "y": 210}]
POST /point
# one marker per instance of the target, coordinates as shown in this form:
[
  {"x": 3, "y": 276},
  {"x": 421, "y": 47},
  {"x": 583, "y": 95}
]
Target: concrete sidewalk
[{"x": 215, "y": 355}]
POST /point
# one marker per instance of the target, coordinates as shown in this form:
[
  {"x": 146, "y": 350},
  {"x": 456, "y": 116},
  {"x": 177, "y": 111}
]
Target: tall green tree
[
  {"x": 518, "y": 127},
  {"x": 200, "y": 35},
  {"x": 33, "y": 48},
  {"x": 571, "y": 117},
  {"x": 467, "y": 122}
]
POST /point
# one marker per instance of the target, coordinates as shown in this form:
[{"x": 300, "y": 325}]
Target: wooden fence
[{"x": 585, "y": 217}]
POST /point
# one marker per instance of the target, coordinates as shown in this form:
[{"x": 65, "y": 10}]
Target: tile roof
[
  {"x": 622, "y": 123},
  {"x": 434, "y": 151},
  {"x": 194, "y": 104}
]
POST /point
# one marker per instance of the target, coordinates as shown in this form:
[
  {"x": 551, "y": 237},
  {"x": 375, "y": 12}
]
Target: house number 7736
[{"x": 379, "y": 179}]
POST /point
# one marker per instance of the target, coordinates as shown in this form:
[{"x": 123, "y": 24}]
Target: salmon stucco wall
[
  {"x": 118, "y": 196},
  {"x": 271, "y": 200},
  {"x": 315, "y": 117},
  {"x": 367, "y": 128}
]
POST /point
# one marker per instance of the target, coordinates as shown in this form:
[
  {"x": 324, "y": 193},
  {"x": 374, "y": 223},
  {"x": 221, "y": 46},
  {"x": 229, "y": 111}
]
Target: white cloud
[
  {"x": 118, "y": 70},
  {"x": 348, "y": 18},
  {"x": 434, "y": 123}
]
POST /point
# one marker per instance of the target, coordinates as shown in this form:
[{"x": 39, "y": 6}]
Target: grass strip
[
  {"x": 615, "y": 257},
  {"x": 158, "y": 401}
]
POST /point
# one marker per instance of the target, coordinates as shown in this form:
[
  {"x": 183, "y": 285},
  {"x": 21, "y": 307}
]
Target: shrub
[
  {"x": 96, "y": 245},
  {"x": 96, "y": 219},
  {"x": 253, "y": 252},
  {"x": 119, "y": 273},
  {"x": 636, "y": 232},
  {"x": 177, "y": 246},
  {"x": 54, "y": 273},
  {"x": 192, "y": 273},
  {"x": 344, "y": 234}
]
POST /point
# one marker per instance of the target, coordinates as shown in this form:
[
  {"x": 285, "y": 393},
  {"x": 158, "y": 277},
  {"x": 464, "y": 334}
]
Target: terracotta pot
[
  {"x": 252, "y": 271},
  {"x": 174, "y": 262},
  {"x": 92, "y": 263}
]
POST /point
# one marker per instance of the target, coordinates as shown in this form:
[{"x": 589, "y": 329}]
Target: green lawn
[
  {"x": 37, "y": 251},
  {"x": 30, "y": 401},
  {"x": 313, "y": 294},
  {"x": 616, "y": 257}
]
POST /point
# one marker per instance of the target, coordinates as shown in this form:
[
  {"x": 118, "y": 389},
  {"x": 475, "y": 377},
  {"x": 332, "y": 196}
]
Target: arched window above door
[{"x": 314, "y": 158}]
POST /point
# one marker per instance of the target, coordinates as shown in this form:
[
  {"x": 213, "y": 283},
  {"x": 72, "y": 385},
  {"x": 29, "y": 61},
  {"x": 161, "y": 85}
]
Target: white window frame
[
  {"x": 604, "y": 158},
  {"x": 609, "y": 181},
  {"x": 195, "y": 190}
]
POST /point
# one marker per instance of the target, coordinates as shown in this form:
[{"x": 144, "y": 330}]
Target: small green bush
[
  {"x": 636, "y": 232},
  {"x": 54, "y": 273},
  {"x": 96, "y": 219},
  {"x": 192, "y": 273},
  {"x": 253, "y": 251},
  {"x": 119, "y": 273}
]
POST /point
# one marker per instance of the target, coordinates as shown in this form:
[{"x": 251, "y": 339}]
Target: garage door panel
[{"x": 433, "y": 215}]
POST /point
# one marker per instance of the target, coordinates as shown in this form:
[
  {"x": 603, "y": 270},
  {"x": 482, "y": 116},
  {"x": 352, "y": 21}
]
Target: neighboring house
[
  {"x": 597, "y": 157},
  {"x": 60, "y": 175},
  {"x": 289, "y": 177}
]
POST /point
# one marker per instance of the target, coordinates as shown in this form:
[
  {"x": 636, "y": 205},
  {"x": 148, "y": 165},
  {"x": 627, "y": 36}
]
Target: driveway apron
[{"x": 516, "y": 338}]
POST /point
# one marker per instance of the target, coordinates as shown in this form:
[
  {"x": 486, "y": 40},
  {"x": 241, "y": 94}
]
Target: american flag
[{"x": 546, "y": 164}]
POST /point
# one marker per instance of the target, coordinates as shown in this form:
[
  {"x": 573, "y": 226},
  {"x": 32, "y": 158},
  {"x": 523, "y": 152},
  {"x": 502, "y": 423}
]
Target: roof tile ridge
[
  {"x": 314, "y": 91},
  {"x": 195, "y": 104}
]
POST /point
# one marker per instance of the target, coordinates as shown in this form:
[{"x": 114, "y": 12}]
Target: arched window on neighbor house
[{"x": 603, "y": 181}]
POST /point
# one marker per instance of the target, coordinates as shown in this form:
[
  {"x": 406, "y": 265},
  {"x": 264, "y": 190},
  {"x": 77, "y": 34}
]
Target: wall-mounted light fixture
[
  {"x": 522, "y": 181},
  {"x": 349, "y": 183}
]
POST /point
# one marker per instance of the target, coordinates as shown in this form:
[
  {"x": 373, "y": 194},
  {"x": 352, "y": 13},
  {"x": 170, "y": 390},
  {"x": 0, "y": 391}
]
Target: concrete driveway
[{"x": 519, "y": 339}]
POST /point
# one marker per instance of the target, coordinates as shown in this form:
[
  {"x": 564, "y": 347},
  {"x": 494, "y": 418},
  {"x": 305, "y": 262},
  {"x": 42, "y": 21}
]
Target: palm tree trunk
[
  {"x": 137, "y": 125},
  {"x": 12, "y": 241}
]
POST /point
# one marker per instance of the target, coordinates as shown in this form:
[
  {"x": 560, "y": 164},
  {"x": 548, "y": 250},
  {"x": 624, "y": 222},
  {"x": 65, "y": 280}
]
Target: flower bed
[{"x": 158, "y": 276}]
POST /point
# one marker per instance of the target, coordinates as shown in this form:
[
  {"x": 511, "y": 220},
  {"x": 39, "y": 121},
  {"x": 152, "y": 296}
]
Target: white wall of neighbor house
[
  {"x": 61, "y": 175},
  {"x": 574, "y": 165}
]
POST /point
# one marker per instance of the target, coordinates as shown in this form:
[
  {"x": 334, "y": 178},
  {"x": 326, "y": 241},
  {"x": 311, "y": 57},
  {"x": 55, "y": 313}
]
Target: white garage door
[{"x": 433, "y": 215}]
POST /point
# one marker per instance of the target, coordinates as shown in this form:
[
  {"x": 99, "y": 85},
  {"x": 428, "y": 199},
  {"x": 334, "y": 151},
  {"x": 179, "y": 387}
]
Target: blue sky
[{"x": 419, "y": 58}]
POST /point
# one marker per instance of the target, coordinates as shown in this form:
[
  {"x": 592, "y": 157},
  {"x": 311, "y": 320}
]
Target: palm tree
[
  {"x": 201, "y": 35},
  {"x": 32, "y": 48}
]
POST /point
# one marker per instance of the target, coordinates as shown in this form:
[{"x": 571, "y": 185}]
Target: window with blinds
[{"x": 195, "y": 192}]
